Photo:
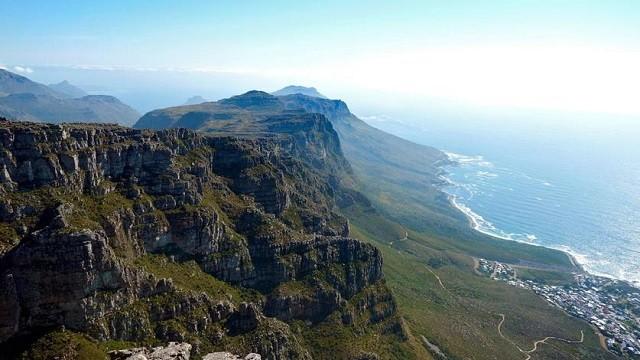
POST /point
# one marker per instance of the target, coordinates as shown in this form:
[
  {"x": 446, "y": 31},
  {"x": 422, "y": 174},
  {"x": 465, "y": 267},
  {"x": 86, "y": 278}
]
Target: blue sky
[{"x": 552, "y": 54}]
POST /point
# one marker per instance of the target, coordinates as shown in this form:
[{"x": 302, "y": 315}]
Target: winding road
[{"x": 538, "y": 342}]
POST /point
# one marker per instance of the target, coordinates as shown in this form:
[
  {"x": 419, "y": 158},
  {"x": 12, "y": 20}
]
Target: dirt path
[
  {"x": 437, "y": 277},
  {"x": 535, "y": 343}
]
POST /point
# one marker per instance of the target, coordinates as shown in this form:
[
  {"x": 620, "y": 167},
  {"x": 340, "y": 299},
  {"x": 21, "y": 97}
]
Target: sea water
[{"x": 566, "y": 183}]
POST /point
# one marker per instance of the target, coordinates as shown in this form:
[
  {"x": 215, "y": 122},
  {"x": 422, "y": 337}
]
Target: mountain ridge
[
  {"x": 12, "y": 83},
  {"x": 27, "y": 100},
  {"x": 393, "y": 160},
  {"x": 70, "y": 90},
  {"x": 264, "y": 195}
]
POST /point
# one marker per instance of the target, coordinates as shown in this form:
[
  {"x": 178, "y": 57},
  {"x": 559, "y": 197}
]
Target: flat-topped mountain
[
  {"x": 68, "y": 89},
  {"x": 385, "y": 163},
  {"x": 296, "y": 89},
  {"x": 257, "y": 114},
  {"x": 23, "y": 99}
]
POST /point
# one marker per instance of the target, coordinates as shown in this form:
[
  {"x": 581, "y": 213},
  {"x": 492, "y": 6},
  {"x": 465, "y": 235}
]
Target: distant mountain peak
[
  {"x": 66, "y": 88},
  {"x": 254, "y": 99},
  {"x": 297, "y": 89},
  {"x": 12, "y": 83},
  {"x": 23, "y": 99},
  {"x": 194, "y": 100}
]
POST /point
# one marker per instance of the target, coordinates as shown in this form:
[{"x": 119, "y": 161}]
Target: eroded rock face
[
  {"x": 49, "y": 275},
  {"x": 82, "y": 206}
]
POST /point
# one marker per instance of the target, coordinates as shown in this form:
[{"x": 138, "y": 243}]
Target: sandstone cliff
[{"x": 152, "y": 236}]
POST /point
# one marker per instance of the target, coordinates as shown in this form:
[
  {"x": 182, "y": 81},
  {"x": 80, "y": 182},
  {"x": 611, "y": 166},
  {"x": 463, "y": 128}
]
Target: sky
[{"x": 568, "y": 55}]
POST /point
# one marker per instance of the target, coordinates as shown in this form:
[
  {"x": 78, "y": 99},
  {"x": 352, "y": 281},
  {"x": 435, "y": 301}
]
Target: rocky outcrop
[
  {"x": 230, "y": 356},
  {"x": 173, "y": 351},
  {"x": 87, "y": 207},
  {"x": 56, "y": 278}
]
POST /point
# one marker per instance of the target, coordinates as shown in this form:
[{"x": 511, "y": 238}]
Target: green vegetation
[
  {"x": 478, "y": 246},
  {"x": 8, "y": 237},
  {"x": 444, "y": 300},
  {"x": 187, "y": 277},
  {"x": 195, "y": 156},
  {"x": 294, "y": 288},
  {"x": 331, "y": 339},
  {"x": 64, "y": 345},
  {"x": 109, "y": 345},
  {"x": 544, "y": 276},
  {"x": 292, "y": 218},
  {"x": 190, "y": 277}
]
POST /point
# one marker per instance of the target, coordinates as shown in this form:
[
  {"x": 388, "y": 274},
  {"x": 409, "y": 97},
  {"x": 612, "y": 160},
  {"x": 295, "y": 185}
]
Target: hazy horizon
[
  {"x": 553, "y": 56},
  {"x": 479, "y": 196}
]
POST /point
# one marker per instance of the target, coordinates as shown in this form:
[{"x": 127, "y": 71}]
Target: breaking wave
[{"x": 512, "y": 199}]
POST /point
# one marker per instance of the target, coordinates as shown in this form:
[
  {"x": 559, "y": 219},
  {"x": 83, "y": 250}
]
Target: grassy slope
[
  {"x": 422, "y": 235},
  {"x": 462, "y": 317},
  {"x": 58, "y": 344},
  {"x": 331, "y": 340}
]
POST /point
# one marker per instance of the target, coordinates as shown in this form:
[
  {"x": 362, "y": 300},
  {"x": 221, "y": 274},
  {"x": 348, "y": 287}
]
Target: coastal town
[{"x": 611, "y": 306}]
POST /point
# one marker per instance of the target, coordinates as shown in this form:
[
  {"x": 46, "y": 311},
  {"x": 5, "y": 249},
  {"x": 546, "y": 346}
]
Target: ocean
[{"x": 570, "y": 183}]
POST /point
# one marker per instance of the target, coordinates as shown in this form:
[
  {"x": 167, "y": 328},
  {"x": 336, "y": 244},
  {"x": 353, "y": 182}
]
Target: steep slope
[
  {"x": 225, "y": 242},
  {"x": 68, "y": 89},
  {"x": 23, "y": 99},
  {"x": 389, "y": 167},
  {"x": 257, "y": 114},
  {"x": 416, "y": 227},
  {"x": 447, "y": 303},
  {"x": 295, "y": 89},
  {"x": 403, "y": 180},
  {"x": 11, "y": 83},
  {"x": 400, "y": 177}
]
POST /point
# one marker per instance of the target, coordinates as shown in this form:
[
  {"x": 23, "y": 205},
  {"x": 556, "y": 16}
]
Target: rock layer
[{"x": 85, "y": 207}]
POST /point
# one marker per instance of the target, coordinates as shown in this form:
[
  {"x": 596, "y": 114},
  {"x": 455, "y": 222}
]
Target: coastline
[
  {"x": 580, "y": 266},
  {"x": 475, "y": 225},
  {"x": 476, "y": 221}
]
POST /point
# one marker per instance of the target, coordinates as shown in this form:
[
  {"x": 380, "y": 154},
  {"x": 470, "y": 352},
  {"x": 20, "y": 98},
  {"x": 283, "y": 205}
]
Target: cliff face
[
  {"x": 150, "y": 236},
  {"x": 410, "y": 174}
]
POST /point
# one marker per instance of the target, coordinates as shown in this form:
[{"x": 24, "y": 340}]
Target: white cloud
[
  {"x": 23, "y": 69},
  {"x": 212, "y": 70}
]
